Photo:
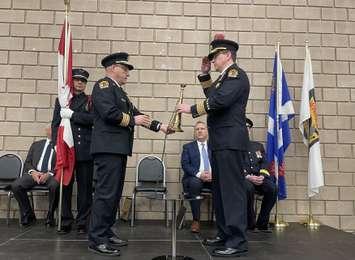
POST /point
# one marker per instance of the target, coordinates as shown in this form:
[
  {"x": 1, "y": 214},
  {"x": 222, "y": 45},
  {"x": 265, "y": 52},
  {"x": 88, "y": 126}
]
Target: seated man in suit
[
  {"x": 197, "y": 170},
  {"x": 38, "y": 170},
  {"x": 259, "y": 181}
]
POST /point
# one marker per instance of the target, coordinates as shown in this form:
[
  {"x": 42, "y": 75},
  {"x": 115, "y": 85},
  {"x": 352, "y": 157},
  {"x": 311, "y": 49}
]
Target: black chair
[
  {"x": 11, "y": 167},
  {"x": 150, "y": 179}
]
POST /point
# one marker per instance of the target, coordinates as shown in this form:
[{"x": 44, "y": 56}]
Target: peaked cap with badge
[
  {"x": 117, "y": 58},
  {"x": 80, "y": 74},
  {"x": 221, "y": 44}
]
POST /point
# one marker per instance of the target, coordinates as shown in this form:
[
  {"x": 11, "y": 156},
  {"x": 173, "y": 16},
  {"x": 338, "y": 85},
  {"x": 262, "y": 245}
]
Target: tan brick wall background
[{"x": 166, "y": 40}]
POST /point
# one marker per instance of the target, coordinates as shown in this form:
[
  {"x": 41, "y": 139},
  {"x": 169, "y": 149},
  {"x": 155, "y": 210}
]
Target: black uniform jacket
[
  {"x": 34, "y": 155},
  {"x": 114, "y": 119},
  {"x": 255, "y": 161},
  {"x": 81, "y": 124},
  {"x": 225, "y": 105}
]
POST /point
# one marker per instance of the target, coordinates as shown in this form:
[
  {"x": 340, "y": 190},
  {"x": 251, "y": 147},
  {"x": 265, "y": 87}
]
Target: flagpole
[
  {"x": 67, "y": 6},
  {"x": 279, "y": 223},
  {"x": 310, "y": 222}
]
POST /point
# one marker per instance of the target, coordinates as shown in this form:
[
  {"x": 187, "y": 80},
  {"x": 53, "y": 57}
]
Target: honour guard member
[
  {"x": 258, "y": 181},
  {"x": 112, "y": 141},
  {"x": 81, "y": 119},
  {"x": 225, "y": 104}
]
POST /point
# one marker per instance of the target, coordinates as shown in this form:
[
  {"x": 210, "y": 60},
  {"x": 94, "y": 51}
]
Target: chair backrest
[
  {"x": 10, "y": 167},
  {"x": 150, "y": 169}
]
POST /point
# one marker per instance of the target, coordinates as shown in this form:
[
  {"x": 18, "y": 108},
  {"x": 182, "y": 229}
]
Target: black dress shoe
[
  {"x": 104, "y": 250},
  {"x": 229, "y": 252},
  {"x": 216, "y": 241},
  {"x": 29, "y": 221},
  {"x": 81, "y": 230},
  {"x": 116, "y": 241},
  {"x": 64, "y": 230}
]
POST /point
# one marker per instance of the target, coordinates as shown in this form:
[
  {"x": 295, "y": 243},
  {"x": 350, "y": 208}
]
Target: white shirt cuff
[{"x": 198, "y": 175}]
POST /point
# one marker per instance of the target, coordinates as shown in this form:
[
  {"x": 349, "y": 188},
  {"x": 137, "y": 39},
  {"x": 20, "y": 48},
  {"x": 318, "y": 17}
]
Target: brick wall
[{"x": 166, "y": 40}]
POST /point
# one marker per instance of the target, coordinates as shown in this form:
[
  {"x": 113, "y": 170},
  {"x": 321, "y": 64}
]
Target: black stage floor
[{"x": 150, "y": 238}]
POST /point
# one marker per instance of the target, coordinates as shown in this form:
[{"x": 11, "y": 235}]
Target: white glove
[{"x": 66, "y": 113}]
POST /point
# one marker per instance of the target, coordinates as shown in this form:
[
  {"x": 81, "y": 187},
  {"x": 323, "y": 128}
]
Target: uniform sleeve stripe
[
  {"x": 125, "y": 119},
  {"x": 200, "y": 107}
]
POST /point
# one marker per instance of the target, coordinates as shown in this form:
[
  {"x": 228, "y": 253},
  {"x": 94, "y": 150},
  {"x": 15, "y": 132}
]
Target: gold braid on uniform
[
  {"x": 265, "y": 172},
  {"x": 125, "y": 120},
  {"x": 205, "y": 80},
  {"x": 200, "y": 109}
]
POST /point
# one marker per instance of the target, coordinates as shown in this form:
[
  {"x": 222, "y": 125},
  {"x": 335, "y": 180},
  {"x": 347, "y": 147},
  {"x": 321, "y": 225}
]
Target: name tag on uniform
[{"x": 123, "y": 100}]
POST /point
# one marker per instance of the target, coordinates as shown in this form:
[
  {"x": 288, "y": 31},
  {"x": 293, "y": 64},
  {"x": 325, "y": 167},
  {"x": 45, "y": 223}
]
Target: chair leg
[
  {"x": 32, "y": 203},
  {"x": 133, "y": 210},
  {"x": 208, "y": 209},
  {"x": 256, "y": 206},
  {"x": 212, "y": 210},
  {"x": 8, "y": 207},
  {"x": 166, "y": 213}
]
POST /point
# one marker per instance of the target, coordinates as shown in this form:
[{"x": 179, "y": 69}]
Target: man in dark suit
[
  {"x": 38, "y": 170},
  {"x": 258, "y": 181},
  {"x": 81, "y": 120},
  {"x": 197, "y": 170},
  {"x": 225, "y": 105},
  {"x": 112, "y": 141}
]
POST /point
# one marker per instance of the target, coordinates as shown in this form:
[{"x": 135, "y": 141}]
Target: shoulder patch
[
  {"x": 233, "y": 73},
  {"x": 104, "y": 84}
]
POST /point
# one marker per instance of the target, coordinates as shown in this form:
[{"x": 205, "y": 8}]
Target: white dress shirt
[{"x": 202, "y": 168}]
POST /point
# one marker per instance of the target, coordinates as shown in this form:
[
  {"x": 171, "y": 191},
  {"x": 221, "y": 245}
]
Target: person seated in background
[
  {"x": 197, "y": 170},
  {"x": 38, "y": 170},
  {"x": 258, "y": 181}
]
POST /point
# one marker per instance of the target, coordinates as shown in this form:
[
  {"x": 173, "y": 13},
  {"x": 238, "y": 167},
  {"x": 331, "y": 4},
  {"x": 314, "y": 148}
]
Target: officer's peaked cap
[
  {"x": 218, "y": 45},
  {"x": 117, "y": 58},
  {"x": 80, "y": 74}
]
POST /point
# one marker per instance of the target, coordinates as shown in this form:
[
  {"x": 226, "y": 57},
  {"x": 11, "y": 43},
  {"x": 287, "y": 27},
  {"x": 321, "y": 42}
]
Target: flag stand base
[
  {"x": 279, "y": 224},
  {"x": 311, "y": 223}
]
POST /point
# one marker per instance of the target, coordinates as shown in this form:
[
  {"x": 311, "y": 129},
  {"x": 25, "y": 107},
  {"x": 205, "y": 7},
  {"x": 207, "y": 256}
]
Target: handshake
[{"x": 66, "y": 113}]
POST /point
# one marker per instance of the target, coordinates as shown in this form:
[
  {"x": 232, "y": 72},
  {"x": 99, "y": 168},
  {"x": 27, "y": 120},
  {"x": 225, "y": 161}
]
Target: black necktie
[{"x": 44, "y": 166}]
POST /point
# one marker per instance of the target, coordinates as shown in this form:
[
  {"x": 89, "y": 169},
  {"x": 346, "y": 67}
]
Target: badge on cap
[{"x": 104, "y": 84}]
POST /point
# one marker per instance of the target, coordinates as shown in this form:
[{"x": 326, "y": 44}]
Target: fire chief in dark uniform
[
  {"x": 225, "y": 106},
  {"x": 258, "y": 181},
  {"x": 112, "y": 141},
  {"x": 81, "y": 120}
]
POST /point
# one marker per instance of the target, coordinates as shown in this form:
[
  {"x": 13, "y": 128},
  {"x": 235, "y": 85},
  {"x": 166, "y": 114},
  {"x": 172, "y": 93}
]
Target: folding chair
[
  {"x": 11, "y": 167},
  {"x": 150, "y": 178}
]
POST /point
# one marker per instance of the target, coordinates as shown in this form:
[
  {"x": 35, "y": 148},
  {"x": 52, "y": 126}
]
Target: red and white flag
[{"x": 65, "y": 142}]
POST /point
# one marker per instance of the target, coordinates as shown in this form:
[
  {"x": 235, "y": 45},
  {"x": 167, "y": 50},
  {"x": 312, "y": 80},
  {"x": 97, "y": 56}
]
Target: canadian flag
[{"x": 65, "y": 143}]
